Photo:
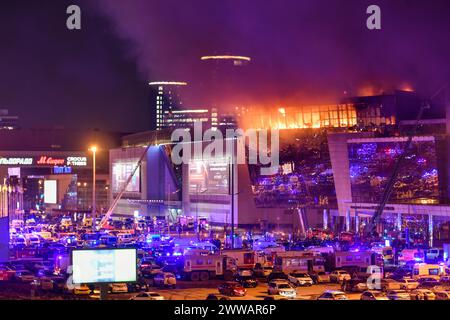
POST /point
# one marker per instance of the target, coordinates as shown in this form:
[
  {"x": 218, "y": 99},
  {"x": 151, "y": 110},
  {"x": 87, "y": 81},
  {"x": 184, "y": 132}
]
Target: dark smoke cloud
[{"x": 309, "y": 50}]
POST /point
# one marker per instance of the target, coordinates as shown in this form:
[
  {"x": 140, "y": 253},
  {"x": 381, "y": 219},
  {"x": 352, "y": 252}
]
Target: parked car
[
  {"x": 356, "y": 285},
  {"x": 282, "y": 288},
  {"x": 320, "y": 277},
  {"x": 445, "y": 280},
  {"x": 232, "y": 289},
  {"x": 137, "y": 287},
  {"x": 24, "y": 276},
  {"x": 442, "y": 295},
  {"x": 147, "y": 296},
  {"x": 165, "y": 279},
  {"x": 428, "y": 284},
  {"x": 398, "y": 295},
  {"x": 408, "y": 284},
  {"x": 82, "y": 290},
  {"x": 262, "y": 272},
  {"x": 277, "y": 276},
  {"x": 6, "y": 273},
  {"x": 300, "y": 279},
  {"x": 333, "y": 295},
  {"x": 339, "y": 276},
  {"x": 422, "y": 294},
  {"x": 45, "y": 284},
  {"x": 276, "y": 297},
  {"x": 118, "y": 288},
  {"x": 247, "y": 281},
  {"x": 213, "y": 296},
  {"x": 373, "y": 295},
  {"x": 390, "y": 284}
]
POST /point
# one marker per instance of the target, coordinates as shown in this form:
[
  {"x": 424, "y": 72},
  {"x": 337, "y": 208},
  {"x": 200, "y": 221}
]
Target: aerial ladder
[
  {"x": 370, "y": 230},
  {"x": 108, "y": 214}
]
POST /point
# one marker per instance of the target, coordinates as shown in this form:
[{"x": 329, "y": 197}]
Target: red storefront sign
[{"x": 44, "y": 160}]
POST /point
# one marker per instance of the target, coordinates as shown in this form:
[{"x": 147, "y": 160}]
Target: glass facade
[
  {"x": 305, "y": 176},
  {"x": 302, "y": 117},
  {"x": 372, "y": 163}
]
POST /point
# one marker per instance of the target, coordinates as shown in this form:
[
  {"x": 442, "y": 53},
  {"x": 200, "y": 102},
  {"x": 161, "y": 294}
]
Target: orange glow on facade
[{"x": 320, "y": 116}]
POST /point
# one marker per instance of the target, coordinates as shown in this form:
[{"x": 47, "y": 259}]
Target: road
[{"x": 199, "y": 291}]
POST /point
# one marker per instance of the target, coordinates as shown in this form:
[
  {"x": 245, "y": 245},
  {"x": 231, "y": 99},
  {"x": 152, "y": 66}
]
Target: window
[{"x": 433, "y": 272}]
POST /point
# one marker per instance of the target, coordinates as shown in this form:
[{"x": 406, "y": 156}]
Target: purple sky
[{"x": 302, "y": 50}]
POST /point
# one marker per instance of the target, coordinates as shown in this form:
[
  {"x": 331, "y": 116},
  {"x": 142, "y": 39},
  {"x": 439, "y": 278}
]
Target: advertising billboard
[
  {"x": 209, "y": 177},
  {"x": 50, "y": 192},
  {"x": 104, "y": 266},
  {"x": 120, "y": 173}
]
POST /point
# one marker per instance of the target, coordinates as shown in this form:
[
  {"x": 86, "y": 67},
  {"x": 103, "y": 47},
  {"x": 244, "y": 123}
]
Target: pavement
[
  {"x": 198, "y": 291},
  {"x": 186, "y": 290}
]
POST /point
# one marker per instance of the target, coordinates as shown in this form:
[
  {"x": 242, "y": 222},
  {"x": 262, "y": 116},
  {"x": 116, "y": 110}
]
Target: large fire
[{"x": 302, "y": 117}]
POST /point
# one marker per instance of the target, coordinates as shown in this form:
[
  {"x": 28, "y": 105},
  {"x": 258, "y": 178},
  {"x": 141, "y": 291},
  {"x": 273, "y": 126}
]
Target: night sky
[{"x": 302, "y": 51}]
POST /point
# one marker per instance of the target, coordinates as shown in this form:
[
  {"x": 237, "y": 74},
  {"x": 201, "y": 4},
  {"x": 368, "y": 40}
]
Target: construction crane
[
  {"x": 370, "y": 230},
  {"x": 108, "y": 214}
]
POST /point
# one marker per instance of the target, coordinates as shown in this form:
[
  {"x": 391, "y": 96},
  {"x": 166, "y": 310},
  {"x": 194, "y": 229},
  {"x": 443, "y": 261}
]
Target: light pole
[{"x": 94, "y": 209}]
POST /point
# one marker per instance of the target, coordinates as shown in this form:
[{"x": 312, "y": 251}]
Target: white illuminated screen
[
  {"x": 104, "y": 266},
  {"x": 208, "y": 177},
  {"x": 50, "y": 192},
  {"x": 121, "y": 172}
]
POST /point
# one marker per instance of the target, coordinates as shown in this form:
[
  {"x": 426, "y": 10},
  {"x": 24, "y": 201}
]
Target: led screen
[
  {"x": 50, "y": 192},
  {"x": 120, "y": 173},
  {"x": 208, "y": 177},
  {"x": 104, "y": 266}
]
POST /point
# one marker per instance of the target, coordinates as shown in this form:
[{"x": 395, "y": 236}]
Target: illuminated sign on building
[
  {"x": 45, "y": 160},
  {"x": 16, "y": 161},
  {"x": 77, "y": 161},
  {"x": 62, "y": 170}
]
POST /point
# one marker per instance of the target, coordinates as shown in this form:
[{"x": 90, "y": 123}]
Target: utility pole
[
  {"x": 94, "y": 203},
  {"x": 232, "y": 191}
]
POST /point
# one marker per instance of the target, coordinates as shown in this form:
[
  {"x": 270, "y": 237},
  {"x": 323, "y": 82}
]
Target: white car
[
  {"x": 147, "y": 296},
  {"x": 408, "y": 284},
  {"x": 373, "y": 295},
  {"x": 333, "y": 295},
  {"x": 300, "y": 279},
  {"x": 422, "y": 294},
  {"x": 398, "y": 295},
  {"x": 339, "y": 276},
  {"x": 118, "y": 288},
  {"x": 282, "y": 288}
]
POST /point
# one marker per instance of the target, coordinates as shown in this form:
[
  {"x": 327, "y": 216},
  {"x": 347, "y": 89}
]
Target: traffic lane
[{"x": 199, "y": 292}]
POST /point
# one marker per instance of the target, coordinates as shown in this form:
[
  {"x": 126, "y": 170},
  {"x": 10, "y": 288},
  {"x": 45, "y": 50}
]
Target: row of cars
[{"x": 418, "y": 294}]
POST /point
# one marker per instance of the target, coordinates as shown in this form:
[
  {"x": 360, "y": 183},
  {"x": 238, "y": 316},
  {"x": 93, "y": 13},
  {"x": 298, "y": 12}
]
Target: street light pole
[{"x": 94, "y": 204}]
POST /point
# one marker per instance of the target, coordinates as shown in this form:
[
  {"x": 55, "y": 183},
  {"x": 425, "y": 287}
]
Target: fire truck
[
  {"x": 202, "y": 265},
  {"x": 299, "y": 261},
  {"x": 242, "y": 259}
]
